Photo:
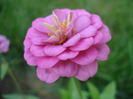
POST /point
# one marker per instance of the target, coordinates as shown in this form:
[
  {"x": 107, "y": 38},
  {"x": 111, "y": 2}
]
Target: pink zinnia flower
[
  {"x": 67, "y": 43},
  {"x": 4, "y": 44}
]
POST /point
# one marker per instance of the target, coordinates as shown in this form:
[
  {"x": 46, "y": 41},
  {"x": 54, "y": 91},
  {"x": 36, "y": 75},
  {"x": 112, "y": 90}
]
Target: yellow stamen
[
  {"x": 49, "y": 34},
  {"x": 62, "y": 40},
  {"x": 63, "y": 24},
  {"x": 75, "y": 29}
]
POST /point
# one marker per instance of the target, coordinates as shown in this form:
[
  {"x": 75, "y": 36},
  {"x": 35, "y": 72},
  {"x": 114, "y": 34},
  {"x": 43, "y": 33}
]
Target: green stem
[
  {"x": 78, "y": 87},
  {"x": 15, "y": 81},
  {"x": 13, "y": 77}
]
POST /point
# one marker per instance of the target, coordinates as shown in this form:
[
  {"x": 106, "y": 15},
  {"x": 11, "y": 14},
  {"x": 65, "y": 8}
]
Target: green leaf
[
  {"x": 109, "y": 91},
  {"x": 64, "y": 94},
  {"x": 31, "y": 97},
  {"x": 72, "y": 89},
  {"x": 94, "y": 92},
  {"x": 13, "y": 96},
  {"x": 85, "y": 94},
  {"x": 130, "y": 48},
  {"x": 4, "y": 68},
  {"x": 19, "y": 96}
]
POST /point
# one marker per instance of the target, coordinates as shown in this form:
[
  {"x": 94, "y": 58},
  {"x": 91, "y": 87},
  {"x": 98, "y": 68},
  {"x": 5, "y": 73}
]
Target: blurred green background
[{"x": 16, "y": 17}]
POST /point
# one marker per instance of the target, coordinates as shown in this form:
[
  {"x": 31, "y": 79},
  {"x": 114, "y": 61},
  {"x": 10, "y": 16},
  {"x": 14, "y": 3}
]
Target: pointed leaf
[
  {"x": 109, "y": 91},
  {"x": 13, "y": 96},
  {"x": 72, "y": 89},
  {"x": 18, "y": 96},
  {"x": 4, "y": 68},
  {"x": 85, "y": 94},
  {"x": 64, "y": 94},
  {"x": 94, "y": 92}
]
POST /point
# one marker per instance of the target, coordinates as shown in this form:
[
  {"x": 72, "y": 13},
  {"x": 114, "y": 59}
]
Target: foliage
[
  {"x": 16, "y": 17},
  {"x": 4, "y": 68},
  {"x": 108, "y": 92},
  {"x": 72, "y": 92},
  {"x": 19, "y": 96}
]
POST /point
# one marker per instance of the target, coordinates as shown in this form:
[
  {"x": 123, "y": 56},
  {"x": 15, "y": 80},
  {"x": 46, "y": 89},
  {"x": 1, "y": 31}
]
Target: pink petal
[
  {"x": 82, "y": 12},
  {"x": 106, "y": 34},
  {"x": 82, "y": 22},
  {"x": 47, "y": 75},
  {"x": 87, "y": 71},
  {"x": 96, "y": 21},
  {"x": 47, "y": 62},
  {"x": 37, "y": 50},
  {"x": 27, "y": 42},
  {"x": 36, "y": 37},
  {"x": 86, "y": 57},
  {"x": 52, "y": 39},
  {"x": 66, "y": 68},
  {"x": 72, "y": 41},
  {"x": 37, "y": 23},
  {"x": 103, "y": 52},
  {"x": 88, "y": 32},
  {"x": 60, "y": 14},
  {"x": 69, "y": 30},
  {"x": 53, "y": 50},
  {"x": 38, "y": 41},
  {"x": 49, "y": 19},
  {"x": 30, "y": 59},
  {"x": 67, "y": 55},
  {"x": 66, "y": 10},
  {"x": 83, "y": 44},
  {"x": 33, "y": 33},
  {"x": 97, "y": 37}
]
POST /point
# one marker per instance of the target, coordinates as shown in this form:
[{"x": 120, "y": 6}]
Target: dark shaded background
[{"x": 16, "y": 17}]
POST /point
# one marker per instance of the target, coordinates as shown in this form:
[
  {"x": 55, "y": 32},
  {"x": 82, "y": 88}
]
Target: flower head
[
  {"x": 67, "y": 43},
  {"x": 4, "y": 44}
]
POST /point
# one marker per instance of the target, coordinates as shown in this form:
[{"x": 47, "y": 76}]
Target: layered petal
[
  {"x": 103, "y": 52},
  {"x": 29, "y": 57},
  {"x": 106, "y": 34},
  {"x": 38, "y": 41},
  {"x": 37, "y": 51},
  {"x": 53, "y": 39},
  {"x": 53, "y": 50},
  {"x": 47, "y": 75},
  {"x": 36, "y": 37},
  {"x": 87, "y": 71},
  {"x": 47, "y": 61},
  {"x": 85, "y": 57},
  {"x": 72, "y": 41},
  {"x": 68, "y": 54},
  {"x": 33, "y": 33},
  {"x": 82, "y": 22},
  {"x": 96, "y": 21},
  {"x": 83, "y": 44},
  {"x": 60, "y": 15},
  {"x": 66, "y": 68},
  {"x": 4, "y": 44},
  {"x": 67, "y": 43},
  {"x": 27, "y": 42},
  {"x": 98, "y": 37},
  {"x": 65, "y": 10},
  {"x": 82, "y": 12},
  {"x": 37, "y": 23},
  {"x": 88, "y": 32}
]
